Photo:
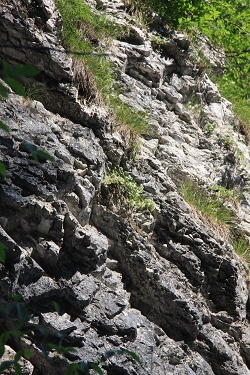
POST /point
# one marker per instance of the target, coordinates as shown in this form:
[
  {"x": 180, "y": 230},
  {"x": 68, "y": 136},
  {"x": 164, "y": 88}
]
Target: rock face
[{"x": 162, "y": 284}]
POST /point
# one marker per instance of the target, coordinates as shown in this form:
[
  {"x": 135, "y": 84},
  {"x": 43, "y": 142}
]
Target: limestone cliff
[{"x": 163, "y": 284}]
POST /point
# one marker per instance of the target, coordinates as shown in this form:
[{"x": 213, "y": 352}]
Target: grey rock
[
  {"x": 164, "y": 284},
  {"x": 46, "y": 253},
  {"x": 44, "y": 287},
  {"x": 89, "y": 247}
]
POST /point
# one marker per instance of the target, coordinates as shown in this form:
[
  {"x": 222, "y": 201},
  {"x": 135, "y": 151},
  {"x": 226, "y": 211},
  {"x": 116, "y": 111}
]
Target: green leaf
[
  {"x": 16, "y": 86},
  {"x": 96, "y": 368},
  {"x": 22, "y": 312},
  {"x": 56, "y": 306},
  {"x": 4, "y": 127},
  {"x": 2, "y": 171},
  {"x": 6, "y": 68},
  {"x": 26, "y": 353},
  {"x": 15, "y": 334},
  {"x": 5, "y": 365},
  {"x": 83, "y": 366},
  {"x": 24, "y": 70},
  {"x": 109, "y": 353},
  {"x": 17, "y": 297},
  {"x": 9, "y": 308},
  {"x": 18, "y": 370},
  {"x": 54, "y": 346},
  {"x": 73, "y": 369},
  {"x": 3, "y": 91},
  {"x": 45, "y": 155},
  {"x": 133, "y": 355},
  {"x": 2, "y": 249},
  {"x": 2, "y": 348},
  {"x": 37, "y": 154},
  {"x": 18, "y": 355},
  {"x": 44, "y": 349}
]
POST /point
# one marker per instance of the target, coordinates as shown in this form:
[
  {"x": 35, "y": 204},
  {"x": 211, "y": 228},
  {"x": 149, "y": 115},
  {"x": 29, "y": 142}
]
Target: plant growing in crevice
[
  {"x": 209, "y": 128},
  {"x": 229, "y": 144},
  {"x": 226, "y": 194},
  {"x": 210, "y": 204},
  {"x": 120, "y": 183},
  {"x": 86, "y": 31},
  {"x": 214, "y": 207},
  {"x": 34, "y": 92},
  {"x": 241, "y": 246}
]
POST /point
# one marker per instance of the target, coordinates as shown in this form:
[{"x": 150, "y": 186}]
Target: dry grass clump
[
  {"x": 212, "y": 209},
  {"x": 242, "y": 128},
  {"x": 84, "y": 80}
]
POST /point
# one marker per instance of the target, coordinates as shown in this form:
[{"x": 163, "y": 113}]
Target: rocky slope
[{"x": 162, "y": 284}]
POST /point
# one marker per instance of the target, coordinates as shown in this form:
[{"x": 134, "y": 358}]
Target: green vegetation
[
  {"x": 85, "y": 31},
  {"x": 242, "y": 248},
  {"x": 227, "y": 24},
  {"x": 221, "y": 192},
  {"x": 241, "y": 105},
  {"x": 212, "y": 206},
  {"x": 209, "y": 128},
  {"x": 122, "y": 184}
]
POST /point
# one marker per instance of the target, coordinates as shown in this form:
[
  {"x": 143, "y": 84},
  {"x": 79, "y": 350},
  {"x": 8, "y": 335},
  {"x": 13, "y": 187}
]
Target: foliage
[
  {"x": 11, "y": 75},
  {"x": 242, "y": 247},
  {"x": 123, "y": 184},
  {"x": 221, "y": 192},
  {"x": 227, "y": 24},
  {"x": 211, "y": 205},
  {"x": 241, "y": 104},
  {"x": 85, "y": 31},
  {"x": 209, "y": 128}
]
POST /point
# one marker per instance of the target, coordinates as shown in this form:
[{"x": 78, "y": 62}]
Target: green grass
[
  {"x": 210, "y": 205},
  {"x": 230, "y": 91},
  {"x": 121, "y": 183},
  {"x": 242, "y": 248},
  {"x": 85, "y": 31},
  {"x": 227, "y": 25}
]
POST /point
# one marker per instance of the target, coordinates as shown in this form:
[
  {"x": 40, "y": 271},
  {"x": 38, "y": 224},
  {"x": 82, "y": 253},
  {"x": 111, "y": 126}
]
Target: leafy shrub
[{"x": 227, "y": 24}]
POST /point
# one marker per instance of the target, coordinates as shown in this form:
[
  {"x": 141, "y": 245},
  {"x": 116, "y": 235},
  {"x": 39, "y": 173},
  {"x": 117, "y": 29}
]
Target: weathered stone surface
[
  {"x": 89, "y": 247},
  {"x": 162, "y": 284},
  {"x": 9, "y": 355}
]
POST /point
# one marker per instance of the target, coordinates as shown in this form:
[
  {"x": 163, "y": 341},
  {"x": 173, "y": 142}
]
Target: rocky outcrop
[{"x": 162, "y": 284}]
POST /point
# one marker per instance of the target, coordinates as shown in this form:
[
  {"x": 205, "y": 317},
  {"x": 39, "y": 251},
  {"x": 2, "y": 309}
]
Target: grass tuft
[
  {"x": 213, "y": 209},
  {"x": 86, "y": 31},
  {"x": 242, "y": 248},
  {"x": 210, "y": 205},
  {"x": 122, "y": 184}
]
